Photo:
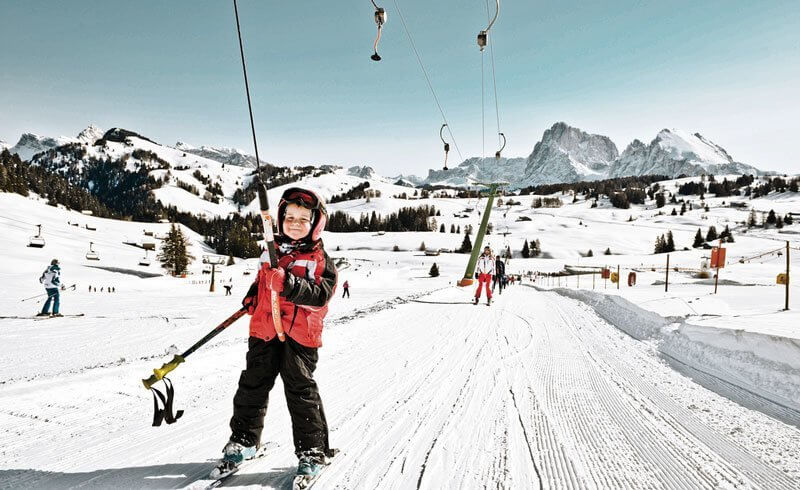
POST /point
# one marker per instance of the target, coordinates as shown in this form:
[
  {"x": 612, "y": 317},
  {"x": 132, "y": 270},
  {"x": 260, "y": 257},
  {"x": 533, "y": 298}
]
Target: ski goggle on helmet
[{"x": 309, "y": 200}]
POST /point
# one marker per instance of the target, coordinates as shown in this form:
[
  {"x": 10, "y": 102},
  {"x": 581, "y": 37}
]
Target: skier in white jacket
[{"x": 484, "y": 271}]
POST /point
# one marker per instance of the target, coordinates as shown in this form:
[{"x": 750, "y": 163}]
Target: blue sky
[{"x": 626, "y": 69}]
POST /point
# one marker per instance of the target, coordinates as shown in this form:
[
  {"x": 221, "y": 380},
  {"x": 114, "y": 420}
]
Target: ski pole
[
  {"x": 45, "y": 294},
  {"x": 159, "y": 374}
]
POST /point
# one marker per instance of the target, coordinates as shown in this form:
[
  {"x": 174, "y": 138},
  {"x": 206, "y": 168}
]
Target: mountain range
[{"x": 564, "y": 154}]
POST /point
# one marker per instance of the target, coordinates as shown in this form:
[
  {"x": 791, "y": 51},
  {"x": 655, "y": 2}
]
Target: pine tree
[
  {"x": 422, "y": 247},
  {"x": 712, "y": 234},
  {"x": 526, "y": 252},
  {"x": 442, "y": 229},
  {"x": 779, "y": 222},
  {"x": 174, "y": 255},
  {"x": 659, "y": 248},
  {"x": 434, "y": 272},
  {"x": 674, "y": 212},
  {"x": 466, "y": 245},
  {"x": 698, "y": 239},
  {"x": 608, "y": 251},
  {"x": 751, "y": 220},
  {"x": 788, "y": 218},
  {"x": 452, "y": 228},
  {"x": 590, "y": 253},
  {"x": 670, "y": 243},
  {"x": 771, "y": 219},
  {"x": 683, "y": 208},
  {"x": 660, "y": 200},
  {"x": 231, "y": 261}
]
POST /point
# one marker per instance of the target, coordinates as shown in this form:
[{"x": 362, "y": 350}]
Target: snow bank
[{"x": 766, "y": 365}]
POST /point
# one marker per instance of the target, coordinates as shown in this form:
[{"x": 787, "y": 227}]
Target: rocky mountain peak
[{"x": 91, "y": 134}]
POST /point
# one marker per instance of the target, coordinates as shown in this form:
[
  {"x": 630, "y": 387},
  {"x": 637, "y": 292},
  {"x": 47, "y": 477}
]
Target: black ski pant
[
  {"x": 295, "y": 363},
  {"x": 346, "y": 292}
]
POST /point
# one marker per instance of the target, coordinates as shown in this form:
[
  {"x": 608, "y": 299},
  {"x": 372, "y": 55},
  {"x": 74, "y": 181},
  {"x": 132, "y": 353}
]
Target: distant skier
[
  {"x": 51, "y": 280},
  {"x": 346, "y": 289},
  {"x": 484, "y": 272},
  {"x": 305, "y": 278},
  {"x": 227, "y": 289},
  {"x": 499, "y": 275}
]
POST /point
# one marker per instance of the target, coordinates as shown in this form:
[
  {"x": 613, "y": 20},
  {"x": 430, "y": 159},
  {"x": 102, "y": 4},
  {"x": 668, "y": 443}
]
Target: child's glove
[
  {"x": 251, "y": 299},
  {"x": 476, "y": 275},
  {"x": 275, "y": 278}
]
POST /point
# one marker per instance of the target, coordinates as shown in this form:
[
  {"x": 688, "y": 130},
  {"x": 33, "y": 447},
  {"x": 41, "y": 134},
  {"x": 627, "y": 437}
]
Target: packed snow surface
[{"x": 568, "y": 384}]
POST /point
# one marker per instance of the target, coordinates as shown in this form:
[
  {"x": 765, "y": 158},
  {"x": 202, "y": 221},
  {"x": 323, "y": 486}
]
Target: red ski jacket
[{"x": 309, "y": 285}]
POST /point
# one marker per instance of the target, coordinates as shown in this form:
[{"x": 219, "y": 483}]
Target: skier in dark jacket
[
  {"x": 51, "y": 280},
  {"x": 305, "y": 279},
  {"x": 499, "y": 274}
]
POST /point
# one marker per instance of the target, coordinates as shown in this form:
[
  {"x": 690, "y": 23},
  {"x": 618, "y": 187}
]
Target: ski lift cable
[
  {"x": 494, "y": 77},
  {"x": 501, "y": 138},
  {"x": 483, "y": 113},
  {"x": 427, "y": 78}
]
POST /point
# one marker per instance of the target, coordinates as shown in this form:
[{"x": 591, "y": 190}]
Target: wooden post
[
  {"x": 666, "y": 280},
  {"x": 716, "y": 276},
  {"x": 786, "y": 307},
  {"x": 593, "y": 274},
  {"x": 619, "y": 279},
  {"x": 213, "y": 270}
]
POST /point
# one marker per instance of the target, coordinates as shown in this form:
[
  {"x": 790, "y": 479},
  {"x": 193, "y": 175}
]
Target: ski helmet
[{"x": 309, "y": 200}]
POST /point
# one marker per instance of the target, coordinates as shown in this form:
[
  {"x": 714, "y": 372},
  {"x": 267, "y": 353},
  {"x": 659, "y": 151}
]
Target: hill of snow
[{"x": 557, "y": 381}]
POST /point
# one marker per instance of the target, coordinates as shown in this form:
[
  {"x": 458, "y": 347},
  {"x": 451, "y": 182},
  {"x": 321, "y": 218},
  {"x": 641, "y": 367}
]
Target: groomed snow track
[{"x": 535, "y": 391}]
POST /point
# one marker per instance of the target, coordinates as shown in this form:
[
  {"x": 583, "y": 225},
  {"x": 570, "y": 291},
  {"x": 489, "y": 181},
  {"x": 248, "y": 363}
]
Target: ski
[
  {"x": 38, "y": 318},
  {"x": 225, "y": 469}
]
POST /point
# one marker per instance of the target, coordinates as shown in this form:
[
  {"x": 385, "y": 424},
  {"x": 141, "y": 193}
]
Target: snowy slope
[
  {"x": 538, "y": 389},
  {"x": 231, "y": 156}
]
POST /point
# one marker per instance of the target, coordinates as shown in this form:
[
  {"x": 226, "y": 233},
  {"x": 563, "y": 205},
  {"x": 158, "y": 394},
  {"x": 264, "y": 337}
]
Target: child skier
[
  {"x": 484, "y": 272},
  {"x": 305, "y": 279}
]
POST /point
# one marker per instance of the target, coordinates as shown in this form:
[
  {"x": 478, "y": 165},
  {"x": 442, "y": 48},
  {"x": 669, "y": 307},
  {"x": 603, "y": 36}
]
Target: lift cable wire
[
  {"x": 427, "y": 78},
  {"x": 494, "y": 81}
]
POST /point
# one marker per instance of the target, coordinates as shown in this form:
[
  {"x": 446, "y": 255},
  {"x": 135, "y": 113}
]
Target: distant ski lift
[
  {"x": 37, "y": 241},
  {"x": 148, "y": 233},
  {"x": 148, "y": 245},
  {"x": 87, "y": 212},
  {"x": 91, "y": 254},
  {"x": 145, "y": 261}
]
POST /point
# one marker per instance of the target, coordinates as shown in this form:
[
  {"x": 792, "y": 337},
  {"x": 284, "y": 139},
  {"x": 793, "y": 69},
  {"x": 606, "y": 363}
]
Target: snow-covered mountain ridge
[
  {"x": 567, "y": 154},
  {"x": 564, "y": 154}
]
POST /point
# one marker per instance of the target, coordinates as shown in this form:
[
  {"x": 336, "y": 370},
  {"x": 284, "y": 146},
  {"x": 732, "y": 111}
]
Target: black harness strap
[{"x": 164, "y": 414}]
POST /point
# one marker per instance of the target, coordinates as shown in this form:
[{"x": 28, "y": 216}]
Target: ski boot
[
  {"x": 43, "y": 314},
  {"x": 488, "y": 301},
  {"x": 475, "y": 302},
  {"x": 234, "y": 454},
  {"x": 309, "y": 466},
  {"x": 56, "y": 314}
]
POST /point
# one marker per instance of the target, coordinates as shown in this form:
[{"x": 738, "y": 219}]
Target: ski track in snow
[{"x": 535, "y": 391}]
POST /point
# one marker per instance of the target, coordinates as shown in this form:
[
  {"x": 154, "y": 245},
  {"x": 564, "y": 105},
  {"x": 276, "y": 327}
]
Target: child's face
[{"x": 297, "y": 222}]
